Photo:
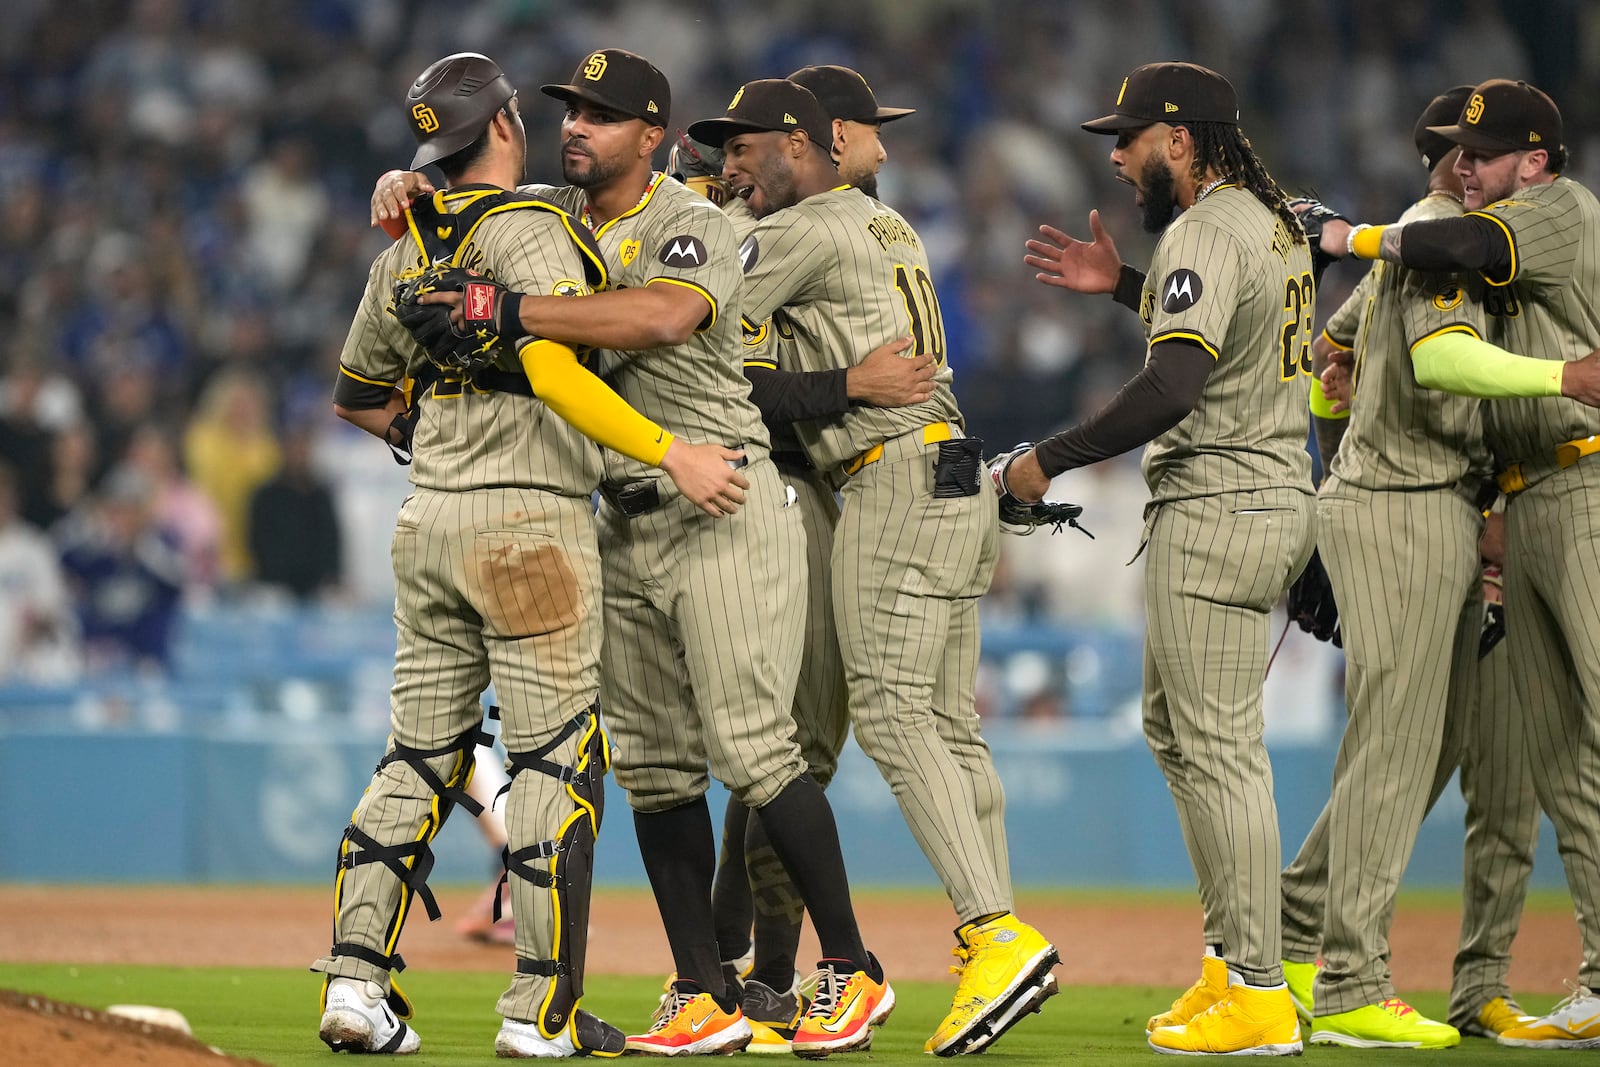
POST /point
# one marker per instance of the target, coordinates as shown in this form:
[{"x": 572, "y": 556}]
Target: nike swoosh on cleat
[
  {"x": 1583, "y": 1024},
  {"x": 844, "y": 1015},
  {"x": 699, "y": 1024}
]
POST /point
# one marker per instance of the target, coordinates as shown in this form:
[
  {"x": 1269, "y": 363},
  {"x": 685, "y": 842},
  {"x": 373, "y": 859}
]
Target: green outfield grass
[{"x": 270, "y": 1015}]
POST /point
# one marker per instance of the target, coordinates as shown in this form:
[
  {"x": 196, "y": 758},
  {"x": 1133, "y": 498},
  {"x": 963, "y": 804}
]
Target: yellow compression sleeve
[
  {"x": 1366, "y": 242},
  {"x": 1322, "y": 404},
  {"x": 593, "y": 408},
  {"x": 1457, "y": 362}
]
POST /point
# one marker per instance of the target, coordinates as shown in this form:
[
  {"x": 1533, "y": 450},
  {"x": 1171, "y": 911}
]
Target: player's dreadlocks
[{"x": 1223, "y": 147}]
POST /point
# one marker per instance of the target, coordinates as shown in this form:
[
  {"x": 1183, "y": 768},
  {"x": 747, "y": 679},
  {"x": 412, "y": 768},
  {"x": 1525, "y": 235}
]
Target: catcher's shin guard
[
  {"x": 406, "y": 810},
  {"x": 563, "y": 865}
]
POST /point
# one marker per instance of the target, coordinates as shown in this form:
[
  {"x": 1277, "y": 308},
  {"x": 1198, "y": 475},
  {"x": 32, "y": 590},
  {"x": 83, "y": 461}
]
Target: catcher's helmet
[{"x": 451, "y": 102}]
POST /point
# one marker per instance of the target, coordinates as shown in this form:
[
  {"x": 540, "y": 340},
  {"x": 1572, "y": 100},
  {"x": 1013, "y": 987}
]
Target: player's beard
[
  {"x": 1159, "y": 189},
  {"x": 589, "y": 171},
  {"x": 777, "y": 185},
  {"x": 868, "y": 185}
]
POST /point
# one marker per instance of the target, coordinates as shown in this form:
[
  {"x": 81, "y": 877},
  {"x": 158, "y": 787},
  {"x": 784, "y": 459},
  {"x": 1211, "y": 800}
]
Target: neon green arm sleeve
[
  {"x": 1455, "y": 361},
  {"x": 572, "y": 391}
]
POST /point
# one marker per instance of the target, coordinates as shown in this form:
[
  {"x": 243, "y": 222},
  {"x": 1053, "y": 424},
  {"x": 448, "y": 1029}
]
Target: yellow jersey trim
[
  {"x": 1187, "y": 335},
  {"x": 1459, "y": 327},
  {"x": 364, "y": 380},
  {"x": 1511, "y": 242},
  {"x": 705, "y": 323}
]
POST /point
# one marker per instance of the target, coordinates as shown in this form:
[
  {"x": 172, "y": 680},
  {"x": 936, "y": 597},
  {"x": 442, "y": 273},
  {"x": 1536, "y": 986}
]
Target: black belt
[{"x": 793, "y": 462}]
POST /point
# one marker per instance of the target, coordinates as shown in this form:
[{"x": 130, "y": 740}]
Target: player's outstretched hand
[
  {"x": 887, "y": 378},
  {"x": 1083, "y": 266},
  {"x": 703, "y": 474},
  {"x": 393, "y": 193},
  {"x": 1580, "y": 379}
]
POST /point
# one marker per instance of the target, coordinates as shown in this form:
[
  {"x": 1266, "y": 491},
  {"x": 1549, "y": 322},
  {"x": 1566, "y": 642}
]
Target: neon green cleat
[
  {"x": 1300, "y": 977},
  {"x": 1392, "y": 1024}
]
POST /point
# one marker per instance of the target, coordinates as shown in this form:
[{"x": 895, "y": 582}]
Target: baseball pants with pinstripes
[
  {"x": 704, "y": 618},
  {"x": 496, "y": 585},
  {"x": 1502, "y": 831},
  {"x": 908, "y": 570},
  {"x": 1404, "y": 570},
  {"x": 1552, "y": 603},
  {"x": 1216, "y": 567}
]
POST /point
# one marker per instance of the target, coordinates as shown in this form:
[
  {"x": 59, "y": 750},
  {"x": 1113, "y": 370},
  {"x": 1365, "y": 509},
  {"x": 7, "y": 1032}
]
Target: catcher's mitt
[
  {"x": 1311, "y": 603},
  {"x": 1022, "y": 517},
  {"x": 1314, "y": 214},
  {"x": 485, "y": 304},
  {"x": 699, "y": 166}
]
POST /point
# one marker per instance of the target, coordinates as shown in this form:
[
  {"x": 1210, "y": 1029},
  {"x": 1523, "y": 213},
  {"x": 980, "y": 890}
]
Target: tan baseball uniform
[
  {"x": 1549, "y": 307},
  {"x": 841, "y": 273},
  {"x": 1228, "y": 528},
  {"x": 703, "y": 616},
  {"x": 1398, "y": 529},
  {"x": 498, "y": 580}
]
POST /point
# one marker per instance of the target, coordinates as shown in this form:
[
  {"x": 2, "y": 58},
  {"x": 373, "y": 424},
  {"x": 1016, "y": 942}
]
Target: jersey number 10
[
  {"x": 1300, "y": 304},
  {"x": 922, "y": 308}
]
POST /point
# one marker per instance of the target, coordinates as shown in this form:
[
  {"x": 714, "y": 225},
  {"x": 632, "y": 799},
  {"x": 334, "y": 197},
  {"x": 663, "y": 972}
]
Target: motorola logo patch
[
  {"x": 1181, "y": 291},
  {"x": 684, "y": 252},
  {"x": 749, "y": 252}
]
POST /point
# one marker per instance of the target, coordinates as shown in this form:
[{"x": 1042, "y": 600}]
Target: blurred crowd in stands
[{"x": 183, "y": 238}]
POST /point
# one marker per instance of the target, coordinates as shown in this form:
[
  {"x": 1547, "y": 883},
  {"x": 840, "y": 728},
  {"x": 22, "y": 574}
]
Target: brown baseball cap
[
  {"x": 1440, "y": 110},
  {"x": 1505, "y": 116},
  {"x": 622, "y": 81},
  {"x": 768, "y": 105},
  {"x": 1169, "y": 92},
  {"x": 844, "y": 94}
]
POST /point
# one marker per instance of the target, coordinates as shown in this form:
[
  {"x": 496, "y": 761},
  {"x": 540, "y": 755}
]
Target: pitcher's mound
[{"x": 48, "y": 1033}]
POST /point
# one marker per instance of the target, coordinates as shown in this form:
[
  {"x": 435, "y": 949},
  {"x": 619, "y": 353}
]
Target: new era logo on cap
[{"x": 620, "y": 80}]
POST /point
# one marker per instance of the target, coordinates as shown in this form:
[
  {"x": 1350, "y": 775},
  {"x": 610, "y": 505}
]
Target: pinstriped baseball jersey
[
  {"x": 1344, "y": 325},
  {"x": 1549, "y": 308},
  {"x": 467, "y": 438},
  {"x": 1402, "y": 436},
  {"x": 850, "y": 274},
  {"x": 675, "y": 236},
  {"x": 1249, "y": 429}
]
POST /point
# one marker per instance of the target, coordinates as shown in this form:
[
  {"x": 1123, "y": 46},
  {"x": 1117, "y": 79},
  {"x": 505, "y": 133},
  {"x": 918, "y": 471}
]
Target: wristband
[
  {"x": 1321, "y": 405},
  {"x": 511, "y": 316},
  {"x": 1350, "y": 238},
  {"x": 1366, "y": 242}
]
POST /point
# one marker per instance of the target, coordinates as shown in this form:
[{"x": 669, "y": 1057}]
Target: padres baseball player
[
  {"x": 831, "y": 269},
  {"x": 497, "y": 579},
  {"x": 751, "y": 885},
  {"x": 1534, "y": 237},
  {"x": 1228, "y": 308},
  {"x": 1398, "y": 529},
  {"x": 703, "y": 618}
]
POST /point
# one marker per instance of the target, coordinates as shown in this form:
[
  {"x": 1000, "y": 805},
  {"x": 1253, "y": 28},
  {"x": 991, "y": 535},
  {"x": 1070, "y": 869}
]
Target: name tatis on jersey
[{"x": 891, "y": 230}]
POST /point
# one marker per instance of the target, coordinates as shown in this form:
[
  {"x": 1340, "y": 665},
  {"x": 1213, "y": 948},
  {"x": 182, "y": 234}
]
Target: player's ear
[
  {"x": 1180, "y": 142},
  {"x": 839, "y": 138},
  {"x": 651, "y": 140}
]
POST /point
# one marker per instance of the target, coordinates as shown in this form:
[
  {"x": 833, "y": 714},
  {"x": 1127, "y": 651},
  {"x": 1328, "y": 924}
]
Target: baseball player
[
  {"x": 497, "y": 579},
  {"x": 832, "y": 270},
  {"x": 751, "y": 885},
  {"x": 1228, "y": 306},
  {"x": 703, "y": 619},
  {"x": 1398, "y": 530},
  {"x": 1533, "y": 236}
]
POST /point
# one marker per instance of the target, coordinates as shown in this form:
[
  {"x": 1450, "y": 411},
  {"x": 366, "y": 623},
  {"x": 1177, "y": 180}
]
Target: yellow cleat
[
  {"x": 1300, "y": 977},
  {"x": 1392, "y": 1024},
  {"x": 1206, "y": 991},
  {"x": 1005, "y": 968},
  {"x": 1244, "y": 1022},
  {"x": 1495, "y": 1018}
]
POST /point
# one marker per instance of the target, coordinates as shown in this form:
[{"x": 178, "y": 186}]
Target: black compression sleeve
[
  {"x": 1153, "y": 402},
  {"x": 1130, "y": 287},
  {"x": 1471, "y": 242},
  {"x": 784, "y": 396}
]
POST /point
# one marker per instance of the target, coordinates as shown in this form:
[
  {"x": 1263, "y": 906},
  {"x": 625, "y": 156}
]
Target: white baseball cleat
[{"x": 357, "y": 1018}]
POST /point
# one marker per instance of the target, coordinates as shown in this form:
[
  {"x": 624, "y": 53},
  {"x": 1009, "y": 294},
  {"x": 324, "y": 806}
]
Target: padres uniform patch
[
  {"x": 685, "y": 251},
  {"x": 749, "y": 252},
  {"x": 1181, "y": 290},
  {"x": 570, "y": 287},
  {"x": 627, "y": 251},
  {"x": 1448, "y": 299}
]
